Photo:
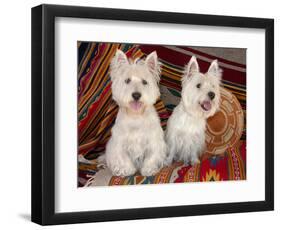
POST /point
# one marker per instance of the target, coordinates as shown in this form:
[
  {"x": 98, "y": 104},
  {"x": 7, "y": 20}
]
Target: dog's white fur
[
  {"x": 185, "y": 133},
  {"x": 137, "y": 140}
]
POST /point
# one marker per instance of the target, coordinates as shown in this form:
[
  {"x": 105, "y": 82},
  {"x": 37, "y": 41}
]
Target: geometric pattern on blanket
[
  {"x": 97, "y": 112},
  {"x": 227, "y": 166}
]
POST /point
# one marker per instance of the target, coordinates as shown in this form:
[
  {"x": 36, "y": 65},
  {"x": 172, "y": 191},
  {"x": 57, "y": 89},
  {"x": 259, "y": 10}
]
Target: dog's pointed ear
[
  {"x": 120, "y": 57},
  {"x": 214, "y": 69},
  {"x": 153, "y": 64},
  {"x": 192, "y": 67},
  {"x": 117, "y": 61}
]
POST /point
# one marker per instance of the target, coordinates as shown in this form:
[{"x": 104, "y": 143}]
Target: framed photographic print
[{"x": 143, "y": 114}]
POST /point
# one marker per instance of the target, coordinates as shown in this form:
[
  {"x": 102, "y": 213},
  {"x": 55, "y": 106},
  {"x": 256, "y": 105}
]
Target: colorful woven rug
[{"x": 227, "y": 166}]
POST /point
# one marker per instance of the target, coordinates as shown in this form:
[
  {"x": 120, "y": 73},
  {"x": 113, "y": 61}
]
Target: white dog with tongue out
[
  {"x": 137, "y": 142},
  {"x": 200, "y": 99}
]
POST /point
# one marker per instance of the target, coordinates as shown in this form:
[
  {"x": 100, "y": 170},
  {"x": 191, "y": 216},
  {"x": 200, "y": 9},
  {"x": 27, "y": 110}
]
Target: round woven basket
[{"x": 225, "y": 128}]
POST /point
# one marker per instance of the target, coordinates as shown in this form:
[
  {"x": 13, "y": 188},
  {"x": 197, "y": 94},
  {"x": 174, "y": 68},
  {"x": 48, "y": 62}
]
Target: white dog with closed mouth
[
  {"x": 137, "y": 141},
  {"x": 200, "y": 99}
]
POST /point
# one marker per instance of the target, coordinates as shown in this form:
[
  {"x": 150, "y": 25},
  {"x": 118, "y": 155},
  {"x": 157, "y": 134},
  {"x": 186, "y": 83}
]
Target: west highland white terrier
[
  {"x": 200, "y": 99},
  {"x": 137, "y": 142}
]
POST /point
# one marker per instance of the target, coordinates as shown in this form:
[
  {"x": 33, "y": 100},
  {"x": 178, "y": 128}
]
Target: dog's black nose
[
  {"x": 136, "y": 96},
  {"x": 211, "y": 95}
]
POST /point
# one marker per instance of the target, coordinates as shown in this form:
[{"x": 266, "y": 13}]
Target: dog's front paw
[
  {"x": 123, "y": 171},
  {"x": 149, "y": 171}
]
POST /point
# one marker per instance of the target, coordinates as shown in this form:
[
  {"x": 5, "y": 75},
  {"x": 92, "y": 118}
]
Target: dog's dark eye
[
  {"x": 128, "y": 80},
  {"x": 198, "y": 85},
  {"x": 144, "y": 82}
]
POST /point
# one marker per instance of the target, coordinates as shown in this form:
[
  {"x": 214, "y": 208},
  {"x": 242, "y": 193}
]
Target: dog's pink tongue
[
  {"x": 135, "y": 105},
  {"x": 206, "y": 105}
]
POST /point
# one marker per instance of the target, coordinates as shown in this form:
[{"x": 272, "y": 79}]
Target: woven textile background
[{"x": 97, "y": 111}]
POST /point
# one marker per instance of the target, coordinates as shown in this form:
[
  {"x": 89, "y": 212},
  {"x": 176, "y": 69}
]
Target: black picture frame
[{"x": 43, "y": 113}]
